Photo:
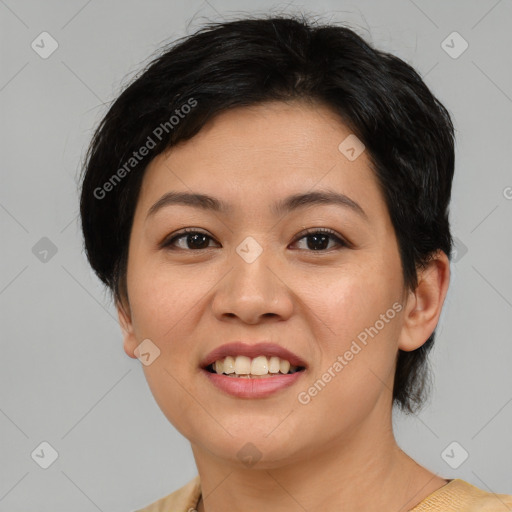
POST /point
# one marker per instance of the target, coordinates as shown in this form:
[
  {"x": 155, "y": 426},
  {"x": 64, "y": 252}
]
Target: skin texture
[{"x": 338, "y": 452}]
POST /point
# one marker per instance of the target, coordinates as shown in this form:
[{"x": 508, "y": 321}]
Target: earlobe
[
  {"x": 424, "y": 305},
  {"x": 125, "y": 322}
]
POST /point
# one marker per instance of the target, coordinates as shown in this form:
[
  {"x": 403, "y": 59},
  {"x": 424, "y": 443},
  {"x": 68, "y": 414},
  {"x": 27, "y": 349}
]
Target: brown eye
[
  {"x": 319, "y": 239},
  {"x": 189, "y": 239}
]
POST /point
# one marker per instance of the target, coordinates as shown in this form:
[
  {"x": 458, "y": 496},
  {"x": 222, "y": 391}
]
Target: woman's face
[{"x": 253, "y": 274}]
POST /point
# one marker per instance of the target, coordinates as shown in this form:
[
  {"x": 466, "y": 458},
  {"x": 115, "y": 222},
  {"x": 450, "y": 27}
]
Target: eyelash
[{"x": 168, "y": 244}]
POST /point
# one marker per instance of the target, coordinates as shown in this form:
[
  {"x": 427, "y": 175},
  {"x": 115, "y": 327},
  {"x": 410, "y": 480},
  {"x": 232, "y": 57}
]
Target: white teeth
[
  {"x": 273, "y": 365},
  {"x": 244, "y": 366},
  {"x": 259, "y": 366},
  {"x": 284, "y": 366},
  {"x": 229, "y": 365}
]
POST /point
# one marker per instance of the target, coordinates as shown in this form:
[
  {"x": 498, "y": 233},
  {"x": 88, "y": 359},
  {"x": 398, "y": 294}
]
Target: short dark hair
[{"x": 408, "y": 134}]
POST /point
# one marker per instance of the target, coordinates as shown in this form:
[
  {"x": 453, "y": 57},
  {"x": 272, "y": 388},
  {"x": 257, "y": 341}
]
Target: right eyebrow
[{"x": 202, "y": 201}]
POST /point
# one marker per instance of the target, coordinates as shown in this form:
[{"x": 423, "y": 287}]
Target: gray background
[{"x": 64, "y": 377}]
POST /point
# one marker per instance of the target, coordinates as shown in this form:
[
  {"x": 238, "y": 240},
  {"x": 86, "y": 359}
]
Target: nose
[{"x": 253, "y": 291}]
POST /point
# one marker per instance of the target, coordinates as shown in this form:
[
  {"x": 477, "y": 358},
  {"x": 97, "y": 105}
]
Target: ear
[
  {"x": 125, "y": 321},
  {"x": 424, "y": 305}
]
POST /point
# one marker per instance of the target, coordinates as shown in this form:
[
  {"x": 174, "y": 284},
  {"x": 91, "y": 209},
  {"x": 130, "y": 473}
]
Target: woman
[{"x": 268, "y": 203}]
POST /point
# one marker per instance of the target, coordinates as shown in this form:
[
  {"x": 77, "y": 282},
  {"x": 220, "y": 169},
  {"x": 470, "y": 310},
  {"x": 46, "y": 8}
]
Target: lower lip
[{"x": 252, "y": 388}]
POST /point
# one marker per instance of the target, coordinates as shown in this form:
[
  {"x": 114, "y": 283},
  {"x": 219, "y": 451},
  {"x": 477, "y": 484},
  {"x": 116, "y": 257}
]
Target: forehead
[{"x": 250, "y": 156}]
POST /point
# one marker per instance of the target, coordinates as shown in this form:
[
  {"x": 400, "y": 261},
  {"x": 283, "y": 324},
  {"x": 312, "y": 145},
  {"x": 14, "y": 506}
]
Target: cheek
[
  {"x": 165, "y": 306},
  {"x": 176, "y": 397},
  {"x": 353, "y": 302},
  {"x": 162, "y": 298},
  {"x": 360, "y": 326}
]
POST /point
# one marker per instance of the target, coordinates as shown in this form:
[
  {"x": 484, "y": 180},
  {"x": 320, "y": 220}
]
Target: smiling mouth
[{"x": 252, "y": 368}]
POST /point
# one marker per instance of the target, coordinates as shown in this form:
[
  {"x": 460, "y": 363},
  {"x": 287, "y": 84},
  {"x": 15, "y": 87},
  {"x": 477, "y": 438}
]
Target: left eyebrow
[
  {"x": 286, "y": 205},
  {"x": 314, "y": 198}
]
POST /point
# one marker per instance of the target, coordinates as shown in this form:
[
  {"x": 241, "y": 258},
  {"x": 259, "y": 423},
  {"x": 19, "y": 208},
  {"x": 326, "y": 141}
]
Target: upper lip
[{"x": 239, "y": 348}]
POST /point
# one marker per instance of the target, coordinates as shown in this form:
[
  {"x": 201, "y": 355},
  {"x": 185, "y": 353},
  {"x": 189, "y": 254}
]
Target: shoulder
[
  {"x": 461, "y": 496},
  {"x": 183, "y": 499}
]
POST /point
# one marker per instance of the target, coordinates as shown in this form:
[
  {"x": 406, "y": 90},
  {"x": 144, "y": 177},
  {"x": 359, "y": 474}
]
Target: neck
[{"x": 358, "y": 472}]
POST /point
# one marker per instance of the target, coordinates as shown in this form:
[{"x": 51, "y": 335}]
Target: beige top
[{"x": 456, "y": 496}]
